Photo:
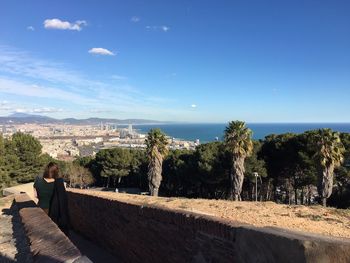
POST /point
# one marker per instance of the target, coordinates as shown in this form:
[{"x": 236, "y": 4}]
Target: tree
[
  {"x": 341, "y": 192},
  {"x": 138, "y": 170},
  {"x": 211, "y": 167},
  {"x": 91, "y": 164},
  {"x": 290, "y": 167},
  {"x": 114, "y": 163},
  {"x": 253, "y": 164},
  {"x": 79, "y": 176},
  {"x": 328, "y": 156},
  {"x": 239, "y": 143},
  {"x": 5, "y": 179},
  {"x": 28, "y": 151},
  {"x": 178, "y": 178},
  {"x": 156, "y": 143}
]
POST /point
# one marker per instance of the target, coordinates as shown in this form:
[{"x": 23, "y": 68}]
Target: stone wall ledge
[{"x": 47, "y": 242}]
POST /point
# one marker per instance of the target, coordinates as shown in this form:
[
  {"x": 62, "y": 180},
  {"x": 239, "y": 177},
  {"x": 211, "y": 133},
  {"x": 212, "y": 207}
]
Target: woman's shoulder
[
  {"x": 37, "y": 180},
  {"x": 59, "y": 181}
]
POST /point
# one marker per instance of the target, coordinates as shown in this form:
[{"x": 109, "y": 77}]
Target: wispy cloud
[
  {"x": 21, "y": 88},
  {"x": 10, "y": 107},
  {"x": 193, "y": 106},
  {"x": 5, "y": 106},
  {"x": 56, "y": 23},
  {"x": 38, "y": 82},
  {"x": 158, "y": 28},
  {"x": 21, "y": 63},
  {"x": 135, "y": 19},
  {"x": 42, "y": 110},
  {"x": 118, "y": 77},
  {"x": 30, "y": 28},
  {"x": 101, "y": 51},
  {"x": 100, "y": 111}
]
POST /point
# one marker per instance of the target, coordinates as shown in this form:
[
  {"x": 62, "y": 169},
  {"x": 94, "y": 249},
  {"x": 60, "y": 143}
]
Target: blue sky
[{"x": 193, "y": 61}]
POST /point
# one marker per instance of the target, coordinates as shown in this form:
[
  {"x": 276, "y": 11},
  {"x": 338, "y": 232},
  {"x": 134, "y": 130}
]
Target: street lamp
[{"x": 256, "y": 185}]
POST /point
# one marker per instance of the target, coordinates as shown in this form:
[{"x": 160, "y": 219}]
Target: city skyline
[{"x": 189, "y": 61}]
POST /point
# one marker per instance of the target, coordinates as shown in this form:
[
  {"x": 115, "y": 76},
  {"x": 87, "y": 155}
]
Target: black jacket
[{"x": 58, "y": 211}]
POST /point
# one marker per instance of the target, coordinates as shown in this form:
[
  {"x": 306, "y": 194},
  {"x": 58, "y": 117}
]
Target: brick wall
[
  {"x": 136, "y": 233},
  {"x": 47, "y": 241}
]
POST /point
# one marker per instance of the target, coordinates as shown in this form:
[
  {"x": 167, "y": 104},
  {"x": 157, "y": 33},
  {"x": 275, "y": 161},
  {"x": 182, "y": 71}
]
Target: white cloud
[
  {"x": 165, "y": 28},
  {"x": 100, "y": 111},
  {"x": 20, "y": 110},
  {"x": 46, "y": 110},
  {"x": 4, "y": 106},
  {"x": 101, "y": 51},
  {"x": 135, "y": 19},
  {"x": 23, "y": 64},
  {"x": 158, "y": 28},
  {"x": 118, "y": 77},
  {"x": 56, "y": 23},
  {"x": 14, "y": 87},
  {"x": 38, "y": 110},
  {"x": 193, "y": 106},
  {"x": 31, "y": 28}
]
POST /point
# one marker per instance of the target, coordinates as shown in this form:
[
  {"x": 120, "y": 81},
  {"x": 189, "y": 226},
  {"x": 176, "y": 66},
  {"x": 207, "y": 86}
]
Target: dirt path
[{"x": 313, "y": 219}]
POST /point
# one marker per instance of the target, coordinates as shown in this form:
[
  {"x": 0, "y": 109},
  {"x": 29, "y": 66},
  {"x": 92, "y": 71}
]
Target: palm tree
[
  {"x": 329, "y": 155},
  {"x": 239, "y": 143},
  {"x": 156, "y": 143}
]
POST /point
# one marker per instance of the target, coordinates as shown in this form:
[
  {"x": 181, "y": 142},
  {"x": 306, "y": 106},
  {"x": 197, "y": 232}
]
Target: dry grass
[{"x": 313, "y": 219}]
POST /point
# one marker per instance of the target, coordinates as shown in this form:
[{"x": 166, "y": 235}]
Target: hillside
[
  {"x": 312, "y": 219},
  {"x": 21, "y": 118}
]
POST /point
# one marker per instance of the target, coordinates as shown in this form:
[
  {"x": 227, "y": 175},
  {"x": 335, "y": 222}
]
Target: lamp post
[{"x": 256, "y": 186}]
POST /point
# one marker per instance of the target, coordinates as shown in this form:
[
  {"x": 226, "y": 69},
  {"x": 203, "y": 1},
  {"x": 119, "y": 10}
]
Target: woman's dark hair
[{"x": 51, "y": 171}]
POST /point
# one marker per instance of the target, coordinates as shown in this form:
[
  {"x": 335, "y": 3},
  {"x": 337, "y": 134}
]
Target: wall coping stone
[{"x": 47, "y": 242}]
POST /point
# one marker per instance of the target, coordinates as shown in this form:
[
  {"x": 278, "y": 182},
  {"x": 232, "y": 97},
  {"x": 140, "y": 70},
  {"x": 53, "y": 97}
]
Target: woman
[
  {"x": 51, "y": 192},
  {"x": 43, "y": 186}
]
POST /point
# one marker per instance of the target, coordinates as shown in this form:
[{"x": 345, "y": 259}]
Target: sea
[{"x": 211, "y": 132}]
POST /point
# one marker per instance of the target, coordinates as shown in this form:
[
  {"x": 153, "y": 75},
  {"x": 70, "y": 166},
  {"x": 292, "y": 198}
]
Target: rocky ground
[
  {"x": 14, "y": 245},
  {"x": 312, "y": 219}
]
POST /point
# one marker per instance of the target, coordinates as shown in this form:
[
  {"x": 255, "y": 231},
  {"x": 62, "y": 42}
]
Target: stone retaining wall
[
  {"x": 137, "y": 233},
  {"x": 47, "y": 242}
]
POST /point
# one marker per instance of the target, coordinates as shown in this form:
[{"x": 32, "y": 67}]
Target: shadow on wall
[
  {"x": 5, "y": 259},
  {"x": 17, "y": 236}
]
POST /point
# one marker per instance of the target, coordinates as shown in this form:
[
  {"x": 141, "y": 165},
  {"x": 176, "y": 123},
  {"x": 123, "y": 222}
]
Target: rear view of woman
[
  {"x": 51, "y": 192},
  {"x": 44, "y": 186}
]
